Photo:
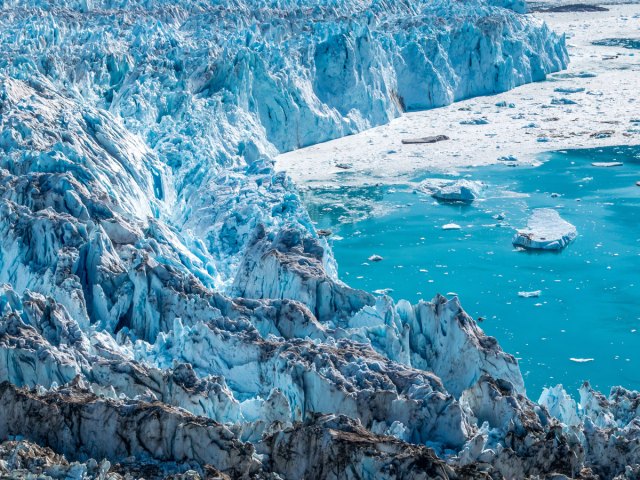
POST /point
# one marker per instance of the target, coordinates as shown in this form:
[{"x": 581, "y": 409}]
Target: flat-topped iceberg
[
  {"x": 465, "y": 191},
  {"x": 546, "y": 230}
]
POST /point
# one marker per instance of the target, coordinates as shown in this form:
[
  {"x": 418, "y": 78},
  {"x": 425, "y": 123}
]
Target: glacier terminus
[{"x": 168, "y": 308}]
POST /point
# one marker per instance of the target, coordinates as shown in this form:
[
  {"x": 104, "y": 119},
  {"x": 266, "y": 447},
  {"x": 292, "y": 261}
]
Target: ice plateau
[{"x": 167, "y": 307}]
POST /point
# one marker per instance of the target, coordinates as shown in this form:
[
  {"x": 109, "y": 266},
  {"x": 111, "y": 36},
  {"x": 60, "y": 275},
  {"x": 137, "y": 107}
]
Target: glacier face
[{"x": 166, "y": 302}]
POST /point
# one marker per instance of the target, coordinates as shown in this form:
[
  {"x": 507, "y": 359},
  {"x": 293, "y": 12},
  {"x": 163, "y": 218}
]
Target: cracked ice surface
[{"x": 166, "y": 303}]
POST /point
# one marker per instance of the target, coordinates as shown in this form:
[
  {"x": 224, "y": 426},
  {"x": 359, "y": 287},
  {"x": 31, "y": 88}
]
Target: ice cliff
[{"x": 166, "y": 305}]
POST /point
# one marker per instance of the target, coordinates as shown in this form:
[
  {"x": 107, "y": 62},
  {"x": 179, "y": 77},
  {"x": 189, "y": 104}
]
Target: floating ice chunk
[
  {"x": 475, "y": 121},
  {"x": 602, "y": 134},
  {"x": 575, "y": 75},
  {"x": 574, "y": 7},
  {"x": 630, "y": 43},
  {"x": 607, "y": 164},
  {"x": 465, "y": 191},
  {"x": 451, "y": 226},
  {"x": 562, "y": 101},
  {"x": 375, "y": 258},
  {"x": 546, "y": 230},
  {"x": 581, "y": 360},
  {"x": 432, "y": 139},
  {"x": 383, "y": 291},
  {"x": 569, "y": 89},
  {"x": 532, "y": 294}
]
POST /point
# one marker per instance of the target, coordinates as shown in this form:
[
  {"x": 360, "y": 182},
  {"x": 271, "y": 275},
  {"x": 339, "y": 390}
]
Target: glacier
[{"x": 167, "y": 306}]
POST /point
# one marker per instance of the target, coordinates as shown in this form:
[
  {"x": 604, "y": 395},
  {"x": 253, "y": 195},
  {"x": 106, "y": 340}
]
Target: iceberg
[
  {"x": 531, "y": 294},
  {"x": 546, "y": 230},
  {"x": 451, "y": 226},
  {"x": 462, "y": 191},
  {"x": 607, "y": 164}
]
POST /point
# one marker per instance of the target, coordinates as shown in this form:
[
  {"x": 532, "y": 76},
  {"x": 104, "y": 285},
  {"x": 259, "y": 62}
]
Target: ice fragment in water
[{"x": 546, "y": 230}]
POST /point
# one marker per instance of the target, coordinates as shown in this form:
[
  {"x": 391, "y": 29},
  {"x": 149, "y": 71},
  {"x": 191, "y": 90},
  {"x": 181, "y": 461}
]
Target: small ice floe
[
  {"x": 582, "y": 74},
  {"x": 569, "y": 90},
  {"x": 465, "y": 191},
  {"x": 383, "y": 291},
  {"x": 375, "y": 258},
  {"x": 475, "y": 121},
  {"x": 546, "y": 230},
  {"x": 451, "y": 226},
  {"x": 638, "y": 184},
  {"x": 574, "y": 7},
  {"x": 602, "y": 134},
  {"x": 581, "y": 360},
  {"x": 630, "y": 43},
  {"x": 607, "y": 164},
  {"x": 562, "y": 101},
  {"x": 532, "y": 294},
  {"x": 344, "y": 166},
  {"x": 323, "y": 232},
  {"x": 504, "y": 104},
  {"x": 452, "y": 294},
  {"x": 508, "y": 158},
  {"x": 431, "y": 139}
]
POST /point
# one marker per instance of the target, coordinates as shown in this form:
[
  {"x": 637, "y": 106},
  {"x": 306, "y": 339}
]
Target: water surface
[{"x": 589, "y": 306}]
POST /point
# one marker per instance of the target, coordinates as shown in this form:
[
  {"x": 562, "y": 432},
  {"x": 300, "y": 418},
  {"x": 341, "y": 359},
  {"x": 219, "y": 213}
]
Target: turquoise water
[{"x": 589, "y": 307}]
